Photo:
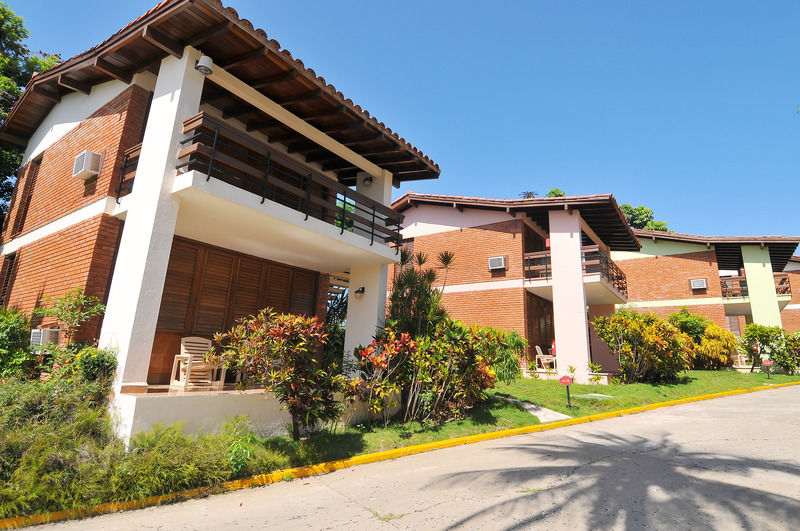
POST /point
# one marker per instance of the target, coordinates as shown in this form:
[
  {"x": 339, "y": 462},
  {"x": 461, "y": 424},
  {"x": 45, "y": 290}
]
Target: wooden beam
[
  {"x": 243, "y": 58},
  {"x": 255, "y": 125},
  {"x": 47, "y": 93},
  {"x": 13, "y": 140},
  {"x": 339, "y": 164},
  {"x": 237, "y": 111},
  {"x": 371, "y": 138},
  {"x": 299, "y": 97},
  {"x": 74, "y": 85},
  {"x": 320, "y": 156},
  {"x": 342, "y": 128},
  {"x": 275, "y": 78},
  {"x": 210, "y": 33},
  {"x": 341, "y": 109},
  {"x": 300, "y": 147},
  {"x": 283, "y": 137},
  {"x": 243, "y": 91},
  {"x": 159, "y": 40},
  {"x": 114, "y": 71}
]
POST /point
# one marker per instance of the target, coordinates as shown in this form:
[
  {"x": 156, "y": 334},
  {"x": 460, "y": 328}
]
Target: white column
[
  {"x": 569, "y": 298},
  {"x": 366, "y": 312},
  {"x": 761, "y": 286},
  {"x": 135, "y": 295}
]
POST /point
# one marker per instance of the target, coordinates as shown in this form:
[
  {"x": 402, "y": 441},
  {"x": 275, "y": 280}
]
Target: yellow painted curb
[{"x": 331, "y": 466}]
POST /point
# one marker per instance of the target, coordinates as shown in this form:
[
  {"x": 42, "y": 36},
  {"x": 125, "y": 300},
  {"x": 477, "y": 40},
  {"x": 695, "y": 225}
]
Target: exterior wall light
[
  {"x": 204, "y": 65},
  {"x": 360, "y": 291},
  {"x": 367, "y": 180}
]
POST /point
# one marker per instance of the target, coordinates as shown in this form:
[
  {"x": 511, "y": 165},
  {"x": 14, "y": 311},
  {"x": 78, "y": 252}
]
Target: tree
[
  {"x": 528, "y": 194},
  {"x": 556, "y": 192},
  {"x": 641, "y": 217},
  {"x": 17, "y": 65}
]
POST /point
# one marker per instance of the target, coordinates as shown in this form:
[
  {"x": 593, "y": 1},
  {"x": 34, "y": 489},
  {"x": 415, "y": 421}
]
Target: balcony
[
  {"x": 215, "y": 149},
  {"x": 604, "y": 281},
  {"x": 736, "y": 287}
]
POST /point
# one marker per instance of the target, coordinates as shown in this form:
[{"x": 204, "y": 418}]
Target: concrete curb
[{"x": 331, "y": 466}]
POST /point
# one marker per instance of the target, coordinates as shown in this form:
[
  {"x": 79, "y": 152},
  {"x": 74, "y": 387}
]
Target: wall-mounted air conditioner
[
  {"x": 497, "y": 262},
  {"x": 698, "y": 283},
  {"x": 42, "y": 336},
  {"x": 87, "y": 165}
]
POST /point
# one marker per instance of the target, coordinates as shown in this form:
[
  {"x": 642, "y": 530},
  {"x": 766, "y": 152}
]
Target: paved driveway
[{"x": 728, "y": 463}]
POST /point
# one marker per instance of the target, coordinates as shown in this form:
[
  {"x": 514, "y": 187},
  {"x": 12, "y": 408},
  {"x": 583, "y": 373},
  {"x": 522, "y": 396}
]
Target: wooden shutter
[
  {"x": 27, "y": 196},
  {"x": 248, "y": 288},
  {"x": 177, "y": 293},
  {"x": 213, "y": 293},
  {"x": 279, "y": 285},
  {"x": 303, "y": 290}
]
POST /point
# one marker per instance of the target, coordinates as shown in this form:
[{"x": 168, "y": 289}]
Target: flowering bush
[
  {"x": 788, "y": 358},
  {"x": 716, "y": 349},
  {"x": 649, "y": 349},
  {"x": 94, "y": 363},
  {"x": 284, "y": 352},
  {"x": 758, "y": 340},
  {"x": 441, "y": 375}
]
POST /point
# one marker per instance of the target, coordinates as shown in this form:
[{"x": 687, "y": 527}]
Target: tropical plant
[
  {"x": 556, "y": 192},
  {"x": 335, "y": 330},
  {"x": 691, "y": 324},
  {"x": 15, "y": 356},
  {"x": 528, "y": 194},
  {"x": 72, "y": 310},
  {"x": 445, "y": 259},
  {"x": 759, "y": 340},
  {"x": 285, "y": 353},
  {"x": 716, "y": 348},
  {"x": 788, "y": 358},
  {"x": 414, "y": 304},
  {"x": 649, "y": 349}
]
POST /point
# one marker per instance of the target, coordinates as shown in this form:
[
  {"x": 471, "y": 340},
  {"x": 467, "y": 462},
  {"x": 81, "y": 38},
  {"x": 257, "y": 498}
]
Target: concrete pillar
[
  {"x": 366, "y": 312},
  {"x": 135, "y": 295},
  {"x": 761, "y": 285},
  {"x": 569, "y": 298}
]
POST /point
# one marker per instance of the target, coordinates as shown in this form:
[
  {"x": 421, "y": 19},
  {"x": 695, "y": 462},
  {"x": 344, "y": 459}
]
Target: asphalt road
[{"x": 728, "y": 463}]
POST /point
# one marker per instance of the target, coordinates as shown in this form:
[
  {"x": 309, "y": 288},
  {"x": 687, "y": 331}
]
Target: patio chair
[
  {"x": 544, "y": 359},
  {"x": 190, "y": 369}
]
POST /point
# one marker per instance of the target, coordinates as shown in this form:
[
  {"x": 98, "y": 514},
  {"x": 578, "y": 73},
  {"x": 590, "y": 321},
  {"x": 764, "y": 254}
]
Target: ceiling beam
[
  {"x": 288, "y": 75},
  {"x": 47, "y": 93},
  {"x": 114, "y": 71},
  {"x": 243, "y": 58},
  {"x": 210, "y": 33},
  {"x": 341, "y": 109},
  {"x": 339, "y": 164},
  {"x": 320, "y": 156},
  {"x": 74, "y": 85},
  {"x": 284, "y": 136},
  {"x": 237, "y": 111},
  {"x": 159, "y": 40},
  {"x": 299, "y": 97},
  {"x": 14, "y": 140},
  {"x": 301, "y": 147},
  {"x": 255, "y": 125},
  {"x": 371, "y": 138},
  {"x": 342, "y": 128}
]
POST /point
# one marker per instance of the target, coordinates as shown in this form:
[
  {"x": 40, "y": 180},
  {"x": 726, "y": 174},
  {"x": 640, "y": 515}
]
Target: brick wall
[
  {"x": 472, "y": 248},
  {"x": 667, "y": 277},
  {"x": 791, "y": 317},
  {"x": 110, "y": 130},
  {"x": 498, "y": 308},
  {"x": 79, "y": 256}
]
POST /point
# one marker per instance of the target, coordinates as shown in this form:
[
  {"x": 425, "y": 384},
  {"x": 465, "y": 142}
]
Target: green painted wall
[{"x": 761, "y": 286}]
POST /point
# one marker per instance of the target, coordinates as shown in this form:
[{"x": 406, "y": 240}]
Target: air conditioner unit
[
  {"x": 42, "y": 336},
  {"x": 497, "y": 262},
  {"x": 698, "y": 283},
  {"x": 87, "y": 165}
]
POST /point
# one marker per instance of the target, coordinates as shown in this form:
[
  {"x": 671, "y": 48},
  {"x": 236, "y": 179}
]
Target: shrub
[
  {"x": 649, "y": 349},
  {"x": 284, "y": 352},
  {"x": 788, "y": 358},
  {"x": 15, "y": 356},
  {"x": 93, "y": 363},
  {"x": 71, "y": 310},
  {"x": 759, "y": 340},
  {"x": 442, "y": 375},
  {"x": 716, "y": 349},
  {"x": 691, "y": 324},
  {"x": 414, "y": 304}
]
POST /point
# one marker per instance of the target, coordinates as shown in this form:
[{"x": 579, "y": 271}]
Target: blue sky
[{"x": 690, "y": 108}]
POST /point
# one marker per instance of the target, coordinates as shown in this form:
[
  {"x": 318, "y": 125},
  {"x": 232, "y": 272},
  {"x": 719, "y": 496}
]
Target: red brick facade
[
  {"x": 667, "y": 277},
  {"x": 81, "y": 255},
  {"x": 110, "y": 130},
  {"x": 791, "y": 316}
]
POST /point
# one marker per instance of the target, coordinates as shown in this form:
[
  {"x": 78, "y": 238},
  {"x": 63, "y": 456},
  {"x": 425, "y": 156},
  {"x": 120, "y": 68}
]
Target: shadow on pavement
[{"x": 636, "y": 482}]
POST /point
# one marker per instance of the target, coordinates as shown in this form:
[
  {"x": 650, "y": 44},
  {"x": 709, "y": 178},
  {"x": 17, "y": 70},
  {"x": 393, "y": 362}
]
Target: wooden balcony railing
[
  {"x": 218, "y": 150},
  {"x": 537, "y": 266},
  {"x": 130, "y": 160},
  {"x": 736, "y": 287}
]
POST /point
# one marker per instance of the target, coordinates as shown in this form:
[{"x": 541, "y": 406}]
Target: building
[
  {"x": 529, "y": 265},
  {"x": 732, "y": 280},
  {"x": 546, "y": 267},
  {"x": 189, "y": 171}
]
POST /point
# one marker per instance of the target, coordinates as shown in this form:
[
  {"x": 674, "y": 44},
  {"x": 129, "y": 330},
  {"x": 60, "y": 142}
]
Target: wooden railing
[
  {"x": 130, "y": 160},
  {"x": 218, "y": 150},
  {"x": 537, "y": 266},
  {"x": 736, "y": 287}
]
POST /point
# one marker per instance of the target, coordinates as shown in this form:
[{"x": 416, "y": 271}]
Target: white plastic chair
[
  {"x": 544, "y": 359},
  {"x": 190, "y": 369}
]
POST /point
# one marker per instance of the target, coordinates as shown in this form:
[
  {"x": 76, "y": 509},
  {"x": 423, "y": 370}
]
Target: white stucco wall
[{"x": 431, "y": 219}]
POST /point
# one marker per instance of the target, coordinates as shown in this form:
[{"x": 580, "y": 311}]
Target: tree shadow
[{"x": 637, "y": 482}]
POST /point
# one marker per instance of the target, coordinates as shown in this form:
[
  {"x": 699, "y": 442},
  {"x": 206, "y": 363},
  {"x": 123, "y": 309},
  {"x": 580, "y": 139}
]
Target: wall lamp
[
  {"x": 360, "y": 291},
  {"x": 204, "y": 65},
  {"x": 367, "y": 180}
]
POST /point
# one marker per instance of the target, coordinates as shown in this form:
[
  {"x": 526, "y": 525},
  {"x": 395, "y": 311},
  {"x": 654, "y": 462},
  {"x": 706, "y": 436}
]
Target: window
[
  {"x": 8, "y": 274},
  {"x": 27, "y": 195}
]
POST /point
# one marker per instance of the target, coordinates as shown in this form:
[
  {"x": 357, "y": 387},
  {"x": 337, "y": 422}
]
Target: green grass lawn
[{"x": 551, "y": 394}]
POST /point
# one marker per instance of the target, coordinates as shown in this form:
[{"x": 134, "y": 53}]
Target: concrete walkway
[
  {"x": 728, "y": 463},
  {"x": 542, "y": 413}
]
